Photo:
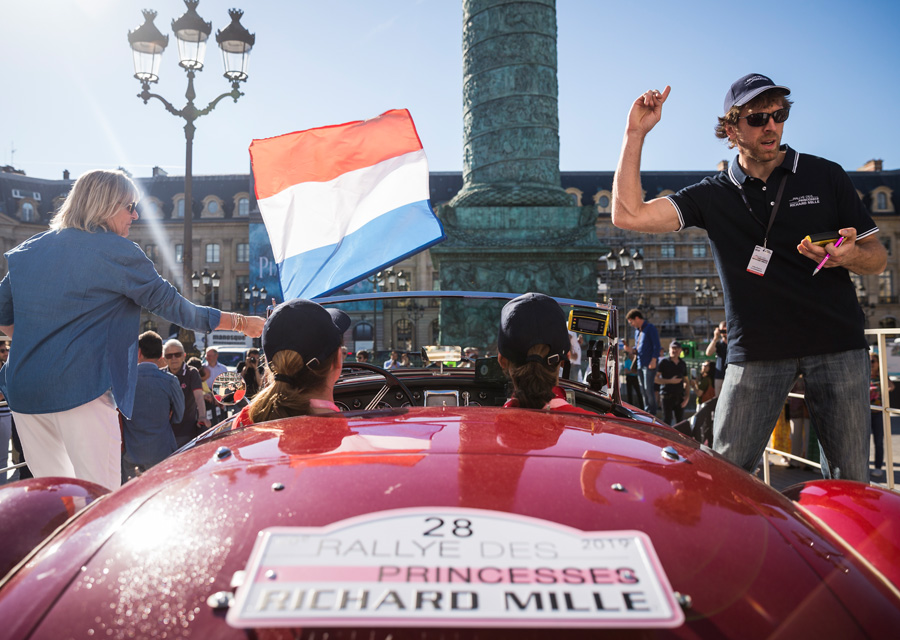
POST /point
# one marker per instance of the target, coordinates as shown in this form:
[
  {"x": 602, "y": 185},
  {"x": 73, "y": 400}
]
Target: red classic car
[{"x": 426, "y": 510}]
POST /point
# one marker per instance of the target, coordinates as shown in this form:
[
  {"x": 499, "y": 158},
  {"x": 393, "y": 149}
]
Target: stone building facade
[{"x": 675, "y": 264}]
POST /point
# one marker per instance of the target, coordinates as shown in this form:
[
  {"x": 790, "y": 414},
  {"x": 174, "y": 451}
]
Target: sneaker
[{"x": 877, "y": 473}]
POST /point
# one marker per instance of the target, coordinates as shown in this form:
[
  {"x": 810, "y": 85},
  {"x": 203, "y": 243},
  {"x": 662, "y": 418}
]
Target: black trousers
[{"x": 672, "y": 407}]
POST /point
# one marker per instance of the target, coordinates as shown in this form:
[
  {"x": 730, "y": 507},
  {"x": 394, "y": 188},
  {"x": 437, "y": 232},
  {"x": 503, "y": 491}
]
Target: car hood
[{"x": 147, "y": 557}]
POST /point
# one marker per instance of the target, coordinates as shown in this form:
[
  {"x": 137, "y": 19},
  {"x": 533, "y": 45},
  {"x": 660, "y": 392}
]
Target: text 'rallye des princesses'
[{"x": 427, "y": 510}]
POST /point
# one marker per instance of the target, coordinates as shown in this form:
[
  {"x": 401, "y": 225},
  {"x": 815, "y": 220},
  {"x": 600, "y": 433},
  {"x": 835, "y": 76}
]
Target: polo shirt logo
[{"x": 800, "y": 201}]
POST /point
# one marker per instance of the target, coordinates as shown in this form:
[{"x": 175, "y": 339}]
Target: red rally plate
[{"x": 452, "y": 567}]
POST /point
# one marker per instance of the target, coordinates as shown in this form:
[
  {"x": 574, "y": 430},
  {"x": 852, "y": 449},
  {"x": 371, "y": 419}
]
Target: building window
[
  {"x": 179, "y": 253},
  {"x": 667, "y": 250},
  {"x": 881, "y": 200},
  {"x": 670, "y": 291},
  {"x": 212, "y": 207},
  {"x": 213, "y": 252},
  {"x": 244, "y": 207},
  {"x": 212, "y": 298},
  {"x": 363, "y": 332},
  {"x": 152, "y": 252},
  {"x": 886, "y": 288},
  {"x": 179, "y": 208},
  {"x": 575, "y": 194},
  {"x": 243, "y": 252},
  {"x": 699, "y": 250},
  {"x": 404, "y": 334},
  {"x": 603, "y": 201},
  {"x": 887, "y": 244},
  {"x": 28, "y": 213}
]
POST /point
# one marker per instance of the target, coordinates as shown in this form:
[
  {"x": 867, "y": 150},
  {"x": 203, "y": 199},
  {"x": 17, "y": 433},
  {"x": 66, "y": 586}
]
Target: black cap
[
  {"x": 529, "y": 320},
  {"x": 747, "y": 88},
  {"x": 305, "y": 327},
  {"x": 675, "y": 343}
]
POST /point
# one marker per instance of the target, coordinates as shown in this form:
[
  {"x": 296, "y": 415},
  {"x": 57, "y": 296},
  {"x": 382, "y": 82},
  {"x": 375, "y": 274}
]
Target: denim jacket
[{"x": 75, "y": 301}]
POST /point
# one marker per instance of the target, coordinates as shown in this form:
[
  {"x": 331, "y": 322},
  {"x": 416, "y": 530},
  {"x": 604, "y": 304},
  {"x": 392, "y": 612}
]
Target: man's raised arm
[{"x": 629, "y": 211}]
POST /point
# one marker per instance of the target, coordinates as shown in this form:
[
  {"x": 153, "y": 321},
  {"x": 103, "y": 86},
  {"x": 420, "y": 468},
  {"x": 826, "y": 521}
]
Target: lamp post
[
  {"x": 706, "y": 295},
  {"x": 867, "y": 306},
  {"x": 209, "y": 282},
  {"x": 631, "y": 267},
  {"x": 390, "y": 280},
  {"x": 255, "y": 297},
  {"x": 414, "y": 312},
  {"x": 191, "y": 34}
]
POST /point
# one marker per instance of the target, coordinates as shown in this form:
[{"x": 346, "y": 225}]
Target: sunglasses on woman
[
  {"x": 131, "y": 206},
  {"x": 760, "y": 119}
]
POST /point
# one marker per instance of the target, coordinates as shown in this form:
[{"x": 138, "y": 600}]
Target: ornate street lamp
[
  {"x": 191, "y": 34},
  {"x": 706, "y": 295},
  {"x": 631, "y": 264}
]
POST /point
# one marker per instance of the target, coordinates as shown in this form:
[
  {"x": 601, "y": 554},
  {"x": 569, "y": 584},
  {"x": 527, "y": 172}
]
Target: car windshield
[
  {"x": 231, "y": 359},
  {"x": 452, "y": 329}
]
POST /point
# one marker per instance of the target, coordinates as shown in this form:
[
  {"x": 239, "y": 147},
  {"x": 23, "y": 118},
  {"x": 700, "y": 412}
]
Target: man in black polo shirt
[
  {"x": 782, "y": 320},
  {"x": 672, "y": 375}
]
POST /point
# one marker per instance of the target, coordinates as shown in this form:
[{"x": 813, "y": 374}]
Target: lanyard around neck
[{"x": 774, "y": 207}]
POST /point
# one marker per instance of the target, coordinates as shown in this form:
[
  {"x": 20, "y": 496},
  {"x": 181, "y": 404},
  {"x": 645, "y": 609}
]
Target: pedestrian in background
[
  {"x": 193, "y": 420},
  {"x": 718, "y": 347},
  {"x": 876, "y": 398},
  {"x": 5, "y": 418},
  {"x": 672, "y": 375},
  {"x": 73, "y": 297},
  {"x": 252, "y": 373},
  {"x": 629, "y": 373},
  {"x": 158, "y": 403},
  {"x": 212, "y": 363},
  {"x": 646, "y": 349}
]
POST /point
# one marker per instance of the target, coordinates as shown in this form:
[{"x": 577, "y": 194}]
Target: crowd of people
[{"x": 758, "y": 214}]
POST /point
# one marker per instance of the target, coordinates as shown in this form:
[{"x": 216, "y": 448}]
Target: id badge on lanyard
[{"x": 759, "y": 261}]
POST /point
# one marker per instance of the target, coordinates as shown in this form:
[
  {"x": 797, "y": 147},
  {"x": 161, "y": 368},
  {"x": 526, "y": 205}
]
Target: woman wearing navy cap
[
  {"x": 302, "y": 342},
  {"x": 533, "y": 343}
]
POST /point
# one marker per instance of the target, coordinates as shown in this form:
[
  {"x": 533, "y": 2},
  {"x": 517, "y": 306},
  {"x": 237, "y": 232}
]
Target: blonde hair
[
  {"x": 533, "y": 382},
  {"x": 95, "y": 198},
  {"x": 285, "y": 399}
]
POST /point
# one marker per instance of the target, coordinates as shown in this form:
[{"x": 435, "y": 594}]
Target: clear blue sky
[{"x": 70, "y": 99}]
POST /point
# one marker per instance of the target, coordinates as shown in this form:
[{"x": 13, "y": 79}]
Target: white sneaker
[{"x": 877, "y": 473}]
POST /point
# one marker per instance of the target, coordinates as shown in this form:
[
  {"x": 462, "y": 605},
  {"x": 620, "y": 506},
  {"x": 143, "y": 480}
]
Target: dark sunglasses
[
  {"x": 760, "y": 119},
  {"x": 169, "y": 356},
  {"x": 131, "y": 206},
  {"x": 4, "y": 350}
]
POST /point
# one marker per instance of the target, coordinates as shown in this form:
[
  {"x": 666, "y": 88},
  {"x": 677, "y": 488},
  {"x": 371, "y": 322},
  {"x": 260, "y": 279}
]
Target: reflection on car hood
[{"x": 146, "y": 559}]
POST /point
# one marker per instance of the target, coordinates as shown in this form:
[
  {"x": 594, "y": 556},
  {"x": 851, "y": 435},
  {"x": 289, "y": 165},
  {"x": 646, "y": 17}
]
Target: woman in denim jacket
[{"x": 74, "y": 295}]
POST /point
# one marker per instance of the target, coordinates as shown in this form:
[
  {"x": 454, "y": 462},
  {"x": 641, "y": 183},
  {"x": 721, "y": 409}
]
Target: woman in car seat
[
  {"x": 533, "y": 342},
  {"x": 302, "y": 342}
]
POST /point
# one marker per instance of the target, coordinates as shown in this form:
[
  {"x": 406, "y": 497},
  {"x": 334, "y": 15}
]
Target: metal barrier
[{"x": 886, "y": 412}]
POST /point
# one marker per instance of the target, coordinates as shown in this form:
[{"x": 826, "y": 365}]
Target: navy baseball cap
[
  {"x": 747, "y": 88},
  {"x": 529, "y": 320},
  {"x": 305, "y": 327}
]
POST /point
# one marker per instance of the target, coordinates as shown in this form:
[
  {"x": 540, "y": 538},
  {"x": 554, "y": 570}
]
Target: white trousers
[{"x": 84, "y": 442}]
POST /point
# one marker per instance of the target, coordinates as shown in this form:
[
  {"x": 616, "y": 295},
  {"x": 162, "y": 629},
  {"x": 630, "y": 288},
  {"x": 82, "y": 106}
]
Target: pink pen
[{"x": 828, "y": 255}]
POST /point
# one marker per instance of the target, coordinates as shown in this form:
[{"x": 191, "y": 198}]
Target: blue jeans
[
  {"x": 837, "y": 395},
  {"x": 647, "y": 376}
]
